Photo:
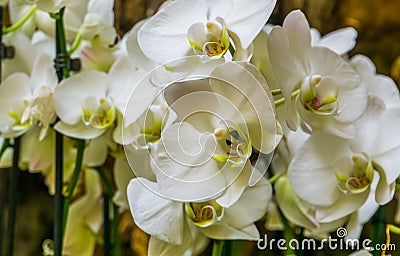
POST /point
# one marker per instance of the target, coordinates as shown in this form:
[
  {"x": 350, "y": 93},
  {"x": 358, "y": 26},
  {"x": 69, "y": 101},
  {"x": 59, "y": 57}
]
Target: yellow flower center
[
  {"x": 204, "y": 214},
  {"x": 98, "y": 114}
]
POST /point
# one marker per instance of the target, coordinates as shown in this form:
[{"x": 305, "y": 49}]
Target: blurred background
[{"x": 378, "y": 26}]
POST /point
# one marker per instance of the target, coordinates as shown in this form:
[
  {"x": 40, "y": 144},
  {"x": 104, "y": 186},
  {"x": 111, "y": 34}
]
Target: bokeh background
[{"x": 378, "y": 26}]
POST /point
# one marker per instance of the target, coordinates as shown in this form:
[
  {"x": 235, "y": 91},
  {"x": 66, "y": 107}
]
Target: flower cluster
[{"x": 212, "y": 117}]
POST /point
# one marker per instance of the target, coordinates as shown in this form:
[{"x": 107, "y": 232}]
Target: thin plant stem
[
  {"x": 76, "y": 43},
  {"x": 217, "y": 247},
  {"x": 106, "y": 224},
  {"x": 104, "y": 177},
  {"x": 58, "y": 198},
  {"x": 288, "y": 235},
  {"x": 3, "y": 193},
  {"x": 115, "y": 233},
  {"x": 74, "y": 180},
  {"x": 281, "y": 101},
  {"x": 277, "y": 176},
  {"x": 3, "y": 198},
  {"x": 12, "y": 200},
  {"x": 3, "y": 148},
  {"x": 275, "y": 92},
  {"x": 21, "y": 22},
  {"x": 62, "y": 72},
  {"x": 227, "y": 249},
  {"x": 109, "y": 189},
  {"x": 379, "y": 221}
]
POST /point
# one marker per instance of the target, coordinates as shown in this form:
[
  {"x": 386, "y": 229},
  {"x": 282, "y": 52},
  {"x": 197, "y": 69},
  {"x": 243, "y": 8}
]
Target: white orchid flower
[
  {"x": 84, "y": 104},
  {"x": 340, "y": 41},
  {"x": 187, "y": 27},
  {"x": 221, "y": 119},
  {"x": 336, "y": 175},
  {"x": 172, "y": 224},
  {"x": 26, "y": 101},
  {"x": 317, "y": 84}
]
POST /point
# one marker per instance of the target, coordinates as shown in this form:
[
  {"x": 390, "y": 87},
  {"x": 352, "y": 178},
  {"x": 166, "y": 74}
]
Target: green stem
[
  {"x": 288, "y": 234},
  {"x": 276, "y": 92},
  {"x": 21, "y": 22},
  {"x": 3, "y": 199},
  {"x": 227, "y": 249},
  {"x": 74, "y": 181},
  {"x": 276, "y": 177},
  {"x": 58, "y": 197},
  {"x": 76, "y": 43},
  {"x": 3, "y": 148},
  {"x": 106, "y": 224},
  {"x": 394, "y": 229},
  {"x": 104, "y": 177},
  {"x": 59, "y": 165},
  {"x": 281, "y": 101},
  {"x": 12, "y": 207},
  {"x": 217, "y": 247},
  {"x": 379, "y": 221},
  {"x": 61, "y": 43},
  {"x": 115, "y": 232},
  {"x": 110, "y": 190},
  {"x": 237, "y": 248}
]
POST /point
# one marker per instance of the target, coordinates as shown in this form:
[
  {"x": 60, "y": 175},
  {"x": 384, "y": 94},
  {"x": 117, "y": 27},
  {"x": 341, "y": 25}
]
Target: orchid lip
[
  {"x": 360, "y": 178},
  {"x": 204, "y": 214},
  {"x": 99, "y": 115},
  {"x": 235, "y": 145}
]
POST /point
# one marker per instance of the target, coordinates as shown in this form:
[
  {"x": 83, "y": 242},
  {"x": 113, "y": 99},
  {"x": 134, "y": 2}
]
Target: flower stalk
[
  {"x": 218, "y": 247},
  {"x": 62, "y": 72},
  {"x": 12, "y": 207},
  {"x": 111, "y": 242},
  {"x": 379, "y": 221},
  {"x": 74, "y": 181},
  {"x": 21, "y": 22}
]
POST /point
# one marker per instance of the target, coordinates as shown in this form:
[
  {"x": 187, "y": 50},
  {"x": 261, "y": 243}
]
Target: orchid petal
[
  {"x": 311, "y": 170},
  {"x": 297, "y": 31},
  {"x": 135, "y": 54},
  {"x": 325, "y": 62},
  {"x": 340, "y": 41},
  {"x": 162, "y": 248},
  {"x": 224, "y": 231},
  {"x": 157, "y": 216},
  {"x": 246, "y": 20},
  {"x": 170, "y": 26},
  {"x": 78, "y": 131},
  {"x": 184, "y": 165},
  {"x": 243, "y": 86},
  {"x": 344, "y": 205},
  {"x": 122, "y": 176}
]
